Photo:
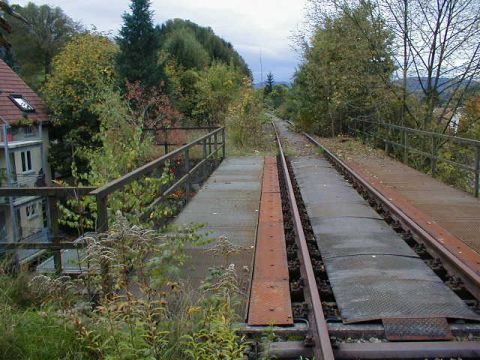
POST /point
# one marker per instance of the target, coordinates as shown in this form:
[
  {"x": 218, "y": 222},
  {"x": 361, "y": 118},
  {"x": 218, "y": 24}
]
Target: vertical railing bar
[
  {"x": 205, "y": 165},
  {"x": 57, "y": 253},
  {"x": 187, "y": 169},
  {"x": 165, "y": 131},
  {"x": 223, "y": 143},
  {"x": 215, "y": 146},
  {"x": 477, "y": 170}
]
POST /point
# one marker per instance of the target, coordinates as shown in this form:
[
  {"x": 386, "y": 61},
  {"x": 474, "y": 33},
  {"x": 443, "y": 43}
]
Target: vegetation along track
[{"x": 330, "y": 337}]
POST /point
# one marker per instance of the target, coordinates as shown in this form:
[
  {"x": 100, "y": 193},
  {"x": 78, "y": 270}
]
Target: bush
[{"x": 245, "y": 118}]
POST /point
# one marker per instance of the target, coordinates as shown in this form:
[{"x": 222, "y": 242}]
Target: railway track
[{"x": 334, "y": 327}]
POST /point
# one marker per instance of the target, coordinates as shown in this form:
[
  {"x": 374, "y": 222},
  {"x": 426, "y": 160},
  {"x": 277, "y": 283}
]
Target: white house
[{"x": 23, "y": 158}]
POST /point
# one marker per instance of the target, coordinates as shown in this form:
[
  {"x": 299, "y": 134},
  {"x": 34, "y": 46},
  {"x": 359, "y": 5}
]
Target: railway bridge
[
  {"x": 362, "y": 265},
  {"x": 354, "y": 259}
]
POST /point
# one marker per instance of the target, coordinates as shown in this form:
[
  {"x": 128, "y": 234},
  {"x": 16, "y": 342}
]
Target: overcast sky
[{"x": 252, "y": 26}]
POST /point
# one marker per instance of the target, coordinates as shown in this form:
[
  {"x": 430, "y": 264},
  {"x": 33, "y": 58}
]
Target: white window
[
  {"x": 26, "y": 161},
  {"x": 28, "y": 130},
  {"x": 31, "y": 211},
  {"x": 22, "y": 103}
]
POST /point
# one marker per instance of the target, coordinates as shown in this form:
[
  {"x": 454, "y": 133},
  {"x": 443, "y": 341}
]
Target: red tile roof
[{"x": 11, "y": 83}]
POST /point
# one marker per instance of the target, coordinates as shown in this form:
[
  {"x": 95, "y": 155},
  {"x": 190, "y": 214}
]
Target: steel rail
[
  {"x": 469, "y": 276},
  {"x": 323, "y": 347}
]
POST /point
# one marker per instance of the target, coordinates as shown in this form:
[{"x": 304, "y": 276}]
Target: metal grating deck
[{"x": 373, "y": 273}]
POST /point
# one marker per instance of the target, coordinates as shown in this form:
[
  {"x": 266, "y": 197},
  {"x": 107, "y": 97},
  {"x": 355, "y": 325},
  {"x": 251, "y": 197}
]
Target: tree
[
  {"x": 442, "y": 44},
  {"x": 5, "y": 26},
  {"x": 344, "y": 73},
  {"x": 278, "y": 95},
  {"x": 37, "y": 42},
  {"x": 137, "y": 59},
  {"x": 269, "y": 84},
  {"x": 83, "y": 72},
  {"x": 188, "y": 43},
  {"x": 437, "y": 46},
  {"x": 216, "y": 89}
]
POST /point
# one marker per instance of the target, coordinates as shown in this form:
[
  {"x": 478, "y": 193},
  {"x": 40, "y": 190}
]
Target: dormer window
[{"x": 22, "y": 103}]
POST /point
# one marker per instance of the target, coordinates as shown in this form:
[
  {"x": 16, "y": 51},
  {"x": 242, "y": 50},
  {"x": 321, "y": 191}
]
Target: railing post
[
  {"x": 405, "y": 146},
  {"x": 102, "y": 213},
  {"x": 210, "y": 144},
  {"x": 215, "y": 145},
  {"x": 364, "y": 137},
  {"x": 166, "y": 140},
  {"x": 187, "y": 169},
  {"x": 57, "y": 253},
  {"x": 205, "y": 155},
  {"x": 477, "y": 170},
  {"x": 223, "y": 143},
  {"x": 102, "y": 227},
  {"x": 434, "y": 156}
]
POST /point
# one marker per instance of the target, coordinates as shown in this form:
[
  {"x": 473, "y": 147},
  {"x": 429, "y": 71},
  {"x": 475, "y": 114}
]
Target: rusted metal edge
[
  {"x": 269, "y": 302},
  {"x": 455, "y": 264},
  {"x": 341, "y": 330},
  {"x": 323, "y": 347},
  {"x": 409, "y": 350},
  {"x": 400, "y": 350},
  {"x": 252, "y": 262}
]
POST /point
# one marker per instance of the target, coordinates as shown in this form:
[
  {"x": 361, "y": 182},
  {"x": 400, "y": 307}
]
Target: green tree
[
  {"x": 186, "y": 50},
  {"x": 83, "y": 72},
  {"x": 184, "y": 41},
  {"x": 345, "y": 74},
  {"x": 278, "y": 95},
  {"x": 268, "y": 84},
  {"x": 137, "y": 59},
  {"x": 216, "y": 89},
  {"x": 5, "y": 26},
  {"x": 37, "y": 42}
]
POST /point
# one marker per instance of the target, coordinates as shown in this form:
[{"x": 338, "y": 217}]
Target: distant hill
[
  {"x": 194, "y": 46},
  {"x": 262, "y": 84},
  {"x": 414, "y": 85}
]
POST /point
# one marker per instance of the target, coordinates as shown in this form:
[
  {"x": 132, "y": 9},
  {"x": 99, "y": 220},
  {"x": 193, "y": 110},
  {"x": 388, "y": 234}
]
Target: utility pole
[{"x": 261, "y": 68}]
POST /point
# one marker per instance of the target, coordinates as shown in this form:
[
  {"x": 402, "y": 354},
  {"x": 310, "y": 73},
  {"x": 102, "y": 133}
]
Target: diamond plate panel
[
  {"x": 373, "y": 273},
  {"x": 426, "y": 329}
]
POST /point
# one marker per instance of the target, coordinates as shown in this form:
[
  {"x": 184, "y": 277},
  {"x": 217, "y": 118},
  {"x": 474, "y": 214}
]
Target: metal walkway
[
  {"x": 373, "y": 273},
  {"x": 228, "y": 204}
]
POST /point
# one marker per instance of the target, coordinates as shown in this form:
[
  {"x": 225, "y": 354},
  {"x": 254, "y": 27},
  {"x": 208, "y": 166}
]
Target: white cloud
[{"x": 251, "y": 26}]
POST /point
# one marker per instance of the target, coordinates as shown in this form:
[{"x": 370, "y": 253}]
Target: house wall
[
  {"x": 30, "y": 224},
  {"x": 27, "y": 178}
]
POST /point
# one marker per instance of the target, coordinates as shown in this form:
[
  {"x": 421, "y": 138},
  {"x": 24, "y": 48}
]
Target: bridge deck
[
  {"x": 445, "y": 212},
  {"x": 228, "y": 204},
  {"x": 373, "y": 273}
]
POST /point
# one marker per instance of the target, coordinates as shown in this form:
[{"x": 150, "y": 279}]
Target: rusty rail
[{"x": 323, "y": 348}]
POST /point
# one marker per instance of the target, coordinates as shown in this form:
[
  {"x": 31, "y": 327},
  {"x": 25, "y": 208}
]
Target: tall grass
[{"x": 134, "y": 310}]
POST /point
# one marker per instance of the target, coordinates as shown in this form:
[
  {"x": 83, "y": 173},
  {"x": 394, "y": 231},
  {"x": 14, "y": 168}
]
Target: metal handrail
[
  {"x": 436, "y": 142},
  {"x": 102, "y": 193}
]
